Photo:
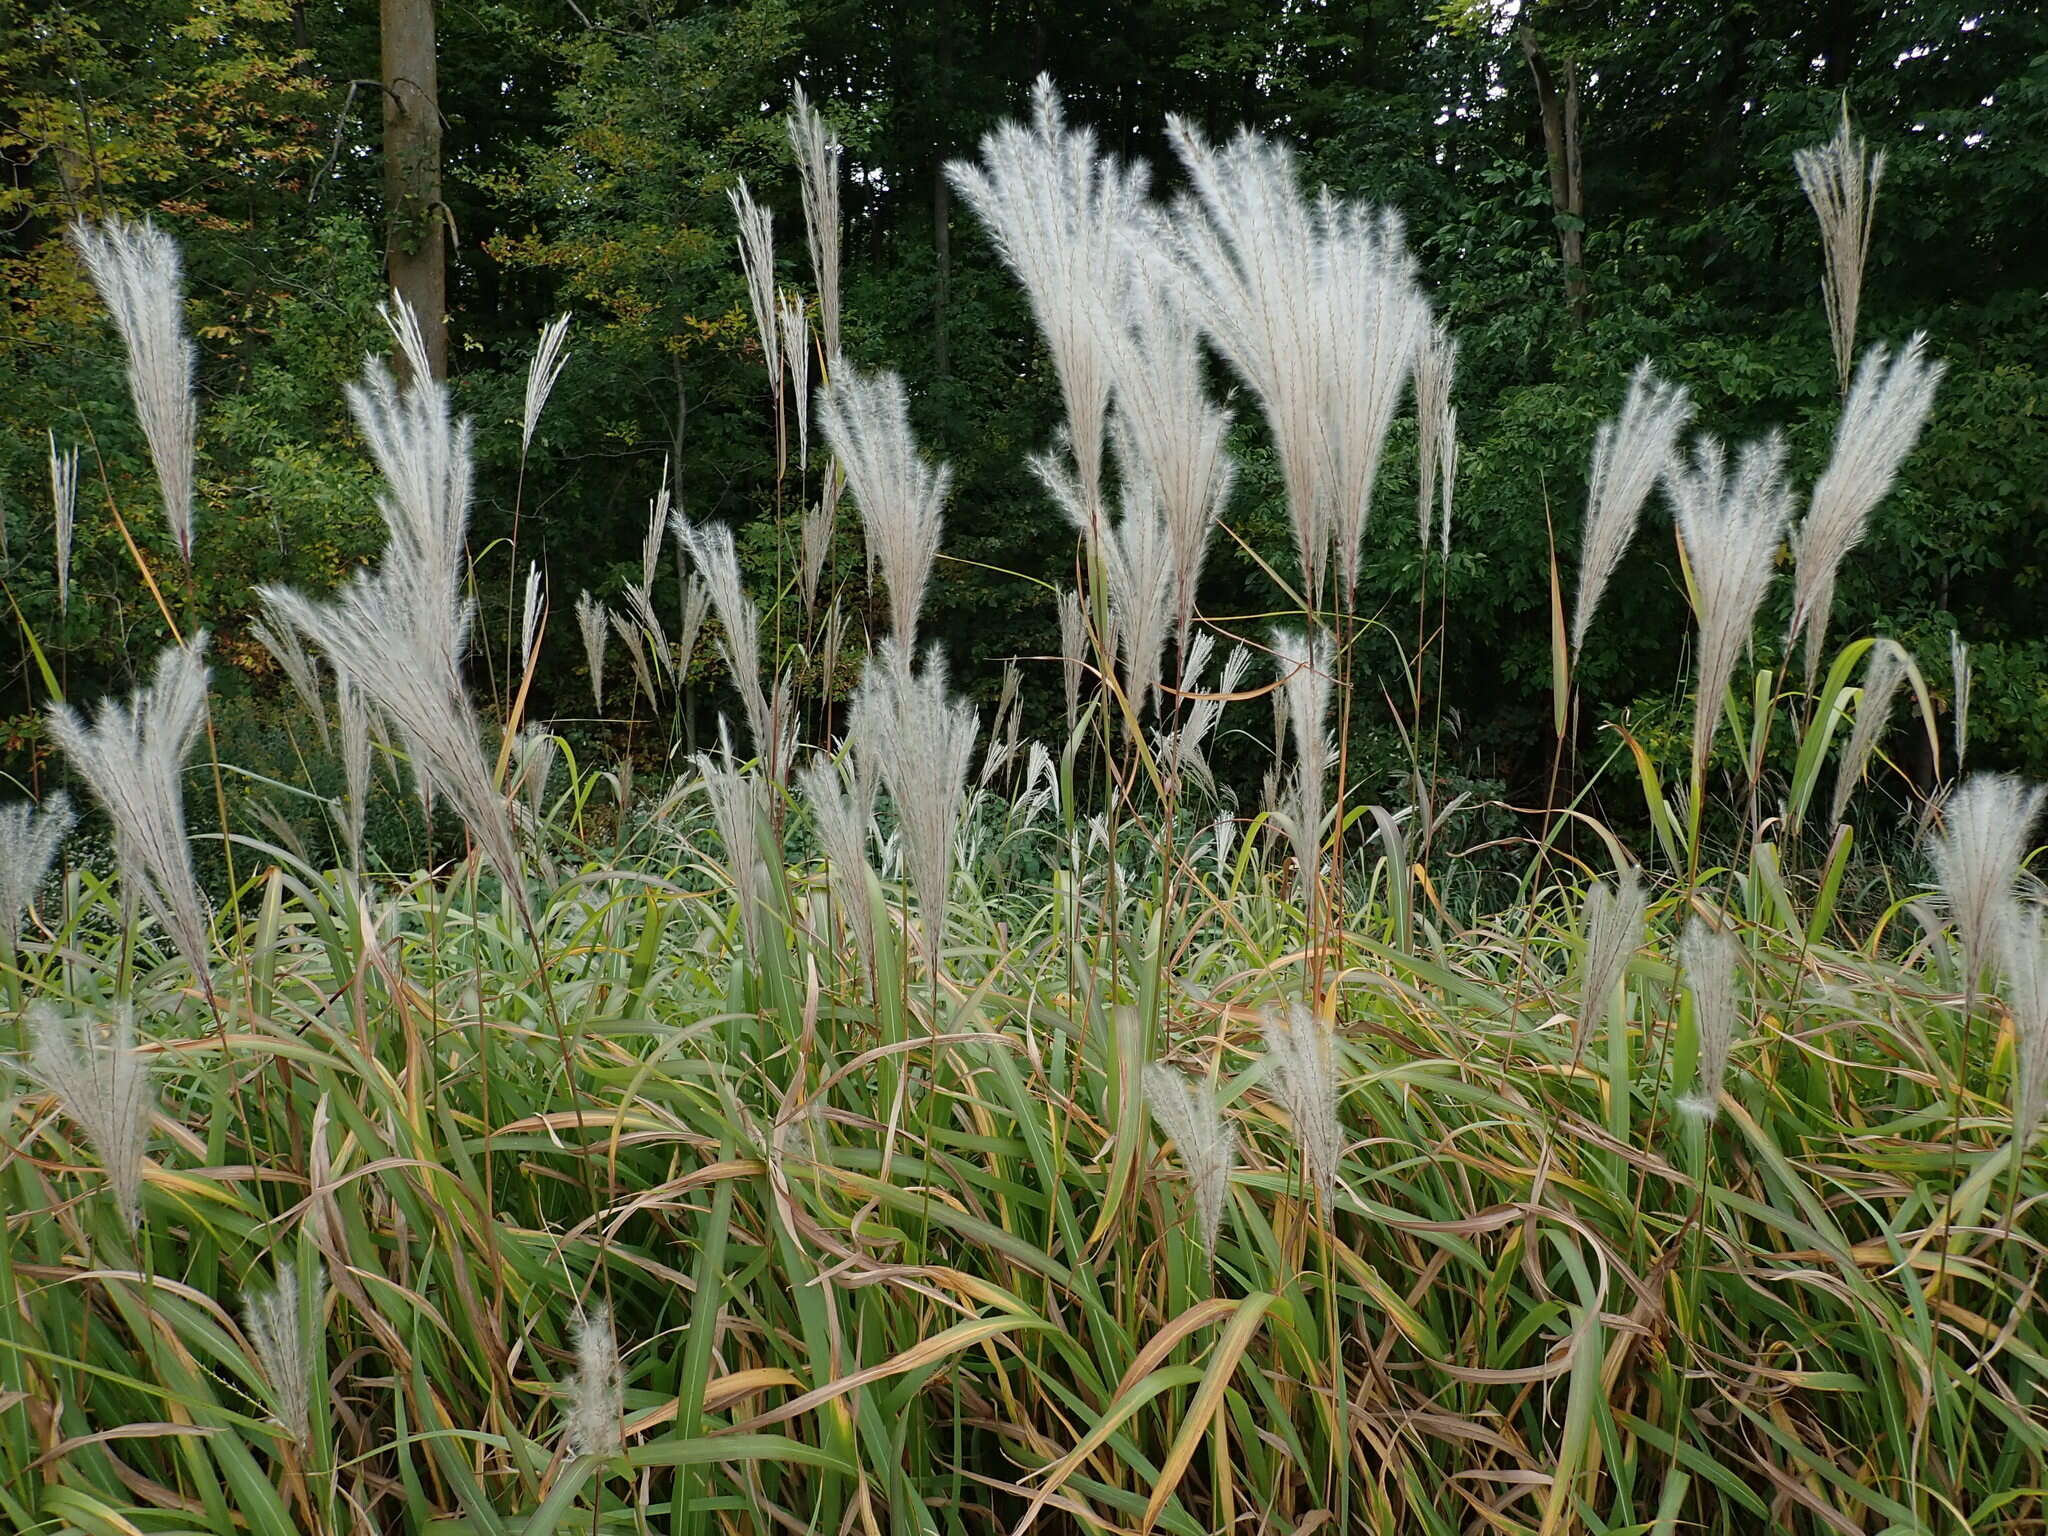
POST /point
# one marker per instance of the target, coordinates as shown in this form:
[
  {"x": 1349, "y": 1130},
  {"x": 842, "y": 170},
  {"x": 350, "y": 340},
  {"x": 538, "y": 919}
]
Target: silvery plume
[
  {"x": 286, "y": 647},
  {"x": 287, "y": 1351},
  {"x": 921, "y": 740},
  {"x": 817, "y": 163},
  {"x": 1301, "y": 1059},
  {"x": 1986, "y": 830},
  {"x": 739, "y": 809},
  {"x": 1315, "y": 304},
  {"x": 1613, "y": 925},
  {"x": 796, "y": 357},
  {"x": 398, "y": 634},
  {"x": 132, "y": 755},
  {"x": 1436, "y": 367},
  {"x": 1840, "y": 179},
  {"x": 815, "y": 542},
  {"x": 1882, "y": 675},
  {"x": 1306, "y": 681},
  {"x": 897, "y": 491},
  {"x": 1629, "y": 454},
  {"x": 1138, "y": 569},
  {"x": 1881, "y": 421},
  {"x": 546, "y": 366},
  {"x": 842, "y": 809},
  {"x": 1732, "y": 525},
  {"x": 102, "y": 1079},
  {"x": 1188, "y": 1113},
  {"x": 2024, "y": 957},
  {"x": 1059, "y": 213},
  {"x": 711, "y": 550},
  {"x": 136, "y": 269},
  {"x": 29, "y": 839},
  {"x": 1709, "y": 955},
  {"x": 64, "y": 504},
  {"x": 595, "y": 1422},
  {"x": 591, "y": 616},
  {"x": 1378, "y": 319},
  {"x": 1168, "y": 432},
  {"x": 757, "y": 261}
]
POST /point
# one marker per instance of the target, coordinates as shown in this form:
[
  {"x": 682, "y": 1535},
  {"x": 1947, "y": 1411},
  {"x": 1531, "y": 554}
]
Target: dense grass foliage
[{"x": 888, "y": 1122}]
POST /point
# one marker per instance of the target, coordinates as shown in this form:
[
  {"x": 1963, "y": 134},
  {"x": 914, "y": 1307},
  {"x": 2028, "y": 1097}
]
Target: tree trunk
[
  {"x": 1560, "y": 111},
  {"x": 414, "y": 260}
]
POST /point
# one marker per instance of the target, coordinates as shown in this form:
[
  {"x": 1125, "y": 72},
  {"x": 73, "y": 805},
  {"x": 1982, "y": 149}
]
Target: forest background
[{"x": 588, "y": 152}]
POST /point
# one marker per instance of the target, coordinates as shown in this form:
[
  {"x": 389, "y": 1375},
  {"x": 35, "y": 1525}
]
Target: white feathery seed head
[
  {"x": 1881, "y": 421},
  {"x": 757, "y": 261},
  {"x": 1247, "y": 253},
  {"x": 1301, "y": 1057},
  {"x": 2023, "y": 950},
  {"x": 1059, "y": 213},
  {"x": 1986, "y": 830},
  {"x": 843, "y": 811},
  {"x": 398, "y": 634},
  {"x": 1138, "y": 567},
  {"x": 288, "y": 649},
  {"x": 1436, "y": 368},
  {"x": 1629, "y": 454},
  {"x": 1613, "y": 926},
  {"x": 921, "y": 740},
  {"x": 64, "y": 503},
  {"x": 817, "y": 163},
  {"x": 815, "y": 534},
  {"x": 1840, "y": 180},
  {"x": 101, "y": 1077},
  {"x": 355, "y": 766},
  {"x": 529, "y": 615},
  {"x": 546, "y": 366},
  {"x": 132, "y": 756},
  {"x": 1882, "y": 674},
  {"x": 30, "y": 836},
  {"x": 1447, "y": 477},
  {"x": 739, "y": 809},
  {"x": 1709, "y": 956},
  {"x": 591, "y": 622},
  {"x": 288, "y": 1352},
  {"x": 1168, "y": 432},
  {"x": 136, "y": 269},
  {"x": 898, "y": 492},
  {"x": 596, "y": 1420},
  {"x": 711, "y": 550},
  {"x": 1378, "y": 319},
  {"x": 1960, "y": 674},
  {"x": 1307, "y": 678},
  {"x": 1188, "y": 1113},
  {"x": 1732, "y": 525},
  {"x": 796, "y": 357}
]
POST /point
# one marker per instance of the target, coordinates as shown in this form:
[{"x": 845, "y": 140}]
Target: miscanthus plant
[{"x": 892, "y": 1123}]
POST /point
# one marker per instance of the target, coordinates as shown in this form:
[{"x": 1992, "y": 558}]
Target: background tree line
[{"x": 1586, "y": 182}]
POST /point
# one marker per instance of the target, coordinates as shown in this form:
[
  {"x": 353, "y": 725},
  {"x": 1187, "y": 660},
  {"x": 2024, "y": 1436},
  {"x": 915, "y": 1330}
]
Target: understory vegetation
[{"x": 891, "y": 1121}]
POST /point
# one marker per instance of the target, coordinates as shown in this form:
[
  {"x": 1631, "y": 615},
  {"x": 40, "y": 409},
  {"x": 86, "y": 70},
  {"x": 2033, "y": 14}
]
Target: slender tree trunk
[
  {"x": 414, "y": 259},
  {"x": 1560, "y": 109}
]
